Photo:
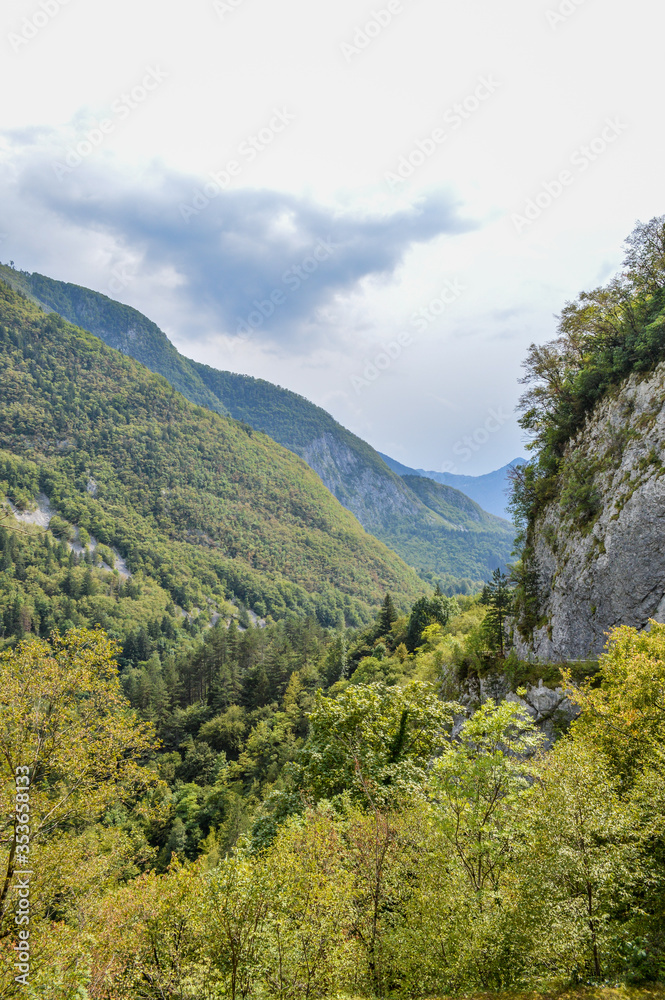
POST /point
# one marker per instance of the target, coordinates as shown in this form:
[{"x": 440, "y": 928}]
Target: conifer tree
[
  {"x": 387, "y": 615},
  {"x": 498, "y": 596}
]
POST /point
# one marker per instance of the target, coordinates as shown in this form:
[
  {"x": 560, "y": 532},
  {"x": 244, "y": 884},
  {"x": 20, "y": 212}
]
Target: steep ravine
[{"x": 599, "y": 550}]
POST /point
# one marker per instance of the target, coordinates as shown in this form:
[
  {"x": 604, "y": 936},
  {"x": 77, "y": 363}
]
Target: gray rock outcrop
[
  {"x": 605, "y": 566},
  {"x": 550, "y": 708}
]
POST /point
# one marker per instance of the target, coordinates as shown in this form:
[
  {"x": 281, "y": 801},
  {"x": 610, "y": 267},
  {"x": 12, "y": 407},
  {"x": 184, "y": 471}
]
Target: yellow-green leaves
[
  {"x": 65, "y": 726},
  {"x": 374, "y": 741}
]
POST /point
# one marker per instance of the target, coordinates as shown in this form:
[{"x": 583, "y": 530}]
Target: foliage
[
  {"x": 426, "y": 611},
  {"x": 440, "y": 531},
  {"x": 372, "y": 741},
  {"x": 119, "y": 326},
  {"x": 402, "y": 861},
  {"x": 189, "y": 500},
  {"x": 66, "y": 729},
  {"x": 498, "y": 596}
]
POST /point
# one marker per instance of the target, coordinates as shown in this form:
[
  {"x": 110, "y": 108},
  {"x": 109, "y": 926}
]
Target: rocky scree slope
[{"x": 598, "y": 555}]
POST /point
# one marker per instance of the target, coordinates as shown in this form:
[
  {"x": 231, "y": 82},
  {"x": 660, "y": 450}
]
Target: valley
[{"x": 268, "y": 753}]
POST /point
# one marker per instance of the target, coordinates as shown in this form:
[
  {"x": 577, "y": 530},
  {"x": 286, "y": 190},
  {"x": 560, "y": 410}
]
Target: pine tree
[
  {"x": 498, "y": 596},
  {"x": 87, "y": 584},
  {"x": 387, "y": 616}
]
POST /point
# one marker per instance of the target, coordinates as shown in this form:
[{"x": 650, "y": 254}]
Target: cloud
[{"x": 258, "y": 261}]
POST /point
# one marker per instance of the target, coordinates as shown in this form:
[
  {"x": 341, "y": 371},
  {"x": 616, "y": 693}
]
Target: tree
[
  {"x": 387, "y": 616},
  {"x": 623, "y": 708},
  {"x": 645, "y": 256},
  {"x": 477, "y": 788},
  {"x": 306, "y": 952},
  {"x": 476, "y": 784},
  {"x": 380, "y": 852},
  {"x": 233, "y": 910},
  {"x": 498, "y": 596},
  {"x": 373, "y": 737},
  {"x": 582, "y": 864},
  {"x": 623, "y": 721},
  {"x": 427, "y": 611},
  {"x": 66, "y": 729},
  {"x": 148, "y": 941}
]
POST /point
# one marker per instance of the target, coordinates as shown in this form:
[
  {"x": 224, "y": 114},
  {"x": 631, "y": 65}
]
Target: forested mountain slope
[
  {"x": 351, "y": 469},
  {"x": 119, "y": 326},
  {"x": 424, "y": 528},
  {"x": 198, "y": 504}
]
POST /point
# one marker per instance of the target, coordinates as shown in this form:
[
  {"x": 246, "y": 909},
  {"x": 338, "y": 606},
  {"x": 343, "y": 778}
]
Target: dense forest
[
  {"x": 447, "y": 538},
  {"x": 203, "y": 509},
  {"x": 119, "y": 326},
  {"x": 223, "y": 776},
  {"x": 290, "y": 811}
]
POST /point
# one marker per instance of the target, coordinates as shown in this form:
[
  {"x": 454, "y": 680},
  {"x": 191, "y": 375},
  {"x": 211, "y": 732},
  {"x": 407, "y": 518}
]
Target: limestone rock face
[
  {"x": 550, "y": 708},
  {"x": 604, "y": 565},
  {"x": 375, "y": 498}
]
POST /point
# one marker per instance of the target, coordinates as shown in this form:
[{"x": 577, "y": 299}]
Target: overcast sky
[{"x": 378, "y": 205}]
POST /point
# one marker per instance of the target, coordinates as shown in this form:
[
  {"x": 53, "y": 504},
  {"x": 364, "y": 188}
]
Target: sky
[{"x": 378, "y": 205}]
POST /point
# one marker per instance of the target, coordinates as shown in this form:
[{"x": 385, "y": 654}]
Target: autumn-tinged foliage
[{"x": 393, "y": 855}]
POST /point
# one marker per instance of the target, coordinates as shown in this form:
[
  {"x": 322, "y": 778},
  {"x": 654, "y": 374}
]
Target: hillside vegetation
[
  {"x": 384, "y": 503},
  {"x": 292, "y": 808},
  {"x": 491, "y": 491},
  {"x": 308, "y": 824},
  {"x": 121, "y": 327},
  {"x": 197, "y": 504}
]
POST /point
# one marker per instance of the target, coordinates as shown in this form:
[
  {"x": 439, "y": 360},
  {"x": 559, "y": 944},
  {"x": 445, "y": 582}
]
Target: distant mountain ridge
[
  {"x": 395, "y": 510},
  {"x": 489, "y": 490}
]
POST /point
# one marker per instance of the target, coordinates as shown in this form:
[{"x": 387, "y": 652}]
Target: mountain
[
  {"x": 119, "y": 326},
  {"x": 202, "y": 508},
  {"x": 490, "y": 490},
  {"x": 444, "y": 534},
  {"x": 459, "y": 548}
]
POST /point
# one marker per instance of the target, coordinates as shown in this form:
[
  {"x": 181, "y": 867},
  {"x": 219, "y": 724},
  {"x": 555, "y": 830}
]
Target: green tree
[
  {"x": 387, "y": 616},
  {"x": 306, "y": 949},
  {"x": 498, "y": 597},
  {"x": 373, "y": 737},
  {"x": 66, "y": 730},
  {"x": 582, "y": 865},
  {"x": 428, "y": 611},
  {"x": 233, "y": 912},
  {"x": 477, "y": 790}
]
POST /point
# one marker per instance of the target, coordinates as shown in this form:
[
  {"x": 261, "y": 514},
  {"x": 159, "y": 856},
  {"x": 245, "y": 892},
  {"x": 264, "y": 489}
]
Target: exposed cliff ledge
[{"x": 598, "y": 552}]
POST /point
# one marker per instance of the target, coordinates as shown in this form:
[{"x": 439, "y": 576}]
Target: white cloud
[{"x": 352, "y": 121}]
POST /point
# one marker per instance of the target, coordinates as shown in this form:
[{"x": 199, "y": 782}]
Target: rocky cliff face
[
  {"x": 598, "y": 553},
  {"x": 549, "y": 708},
  {"x": 375, "y": 497}
]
